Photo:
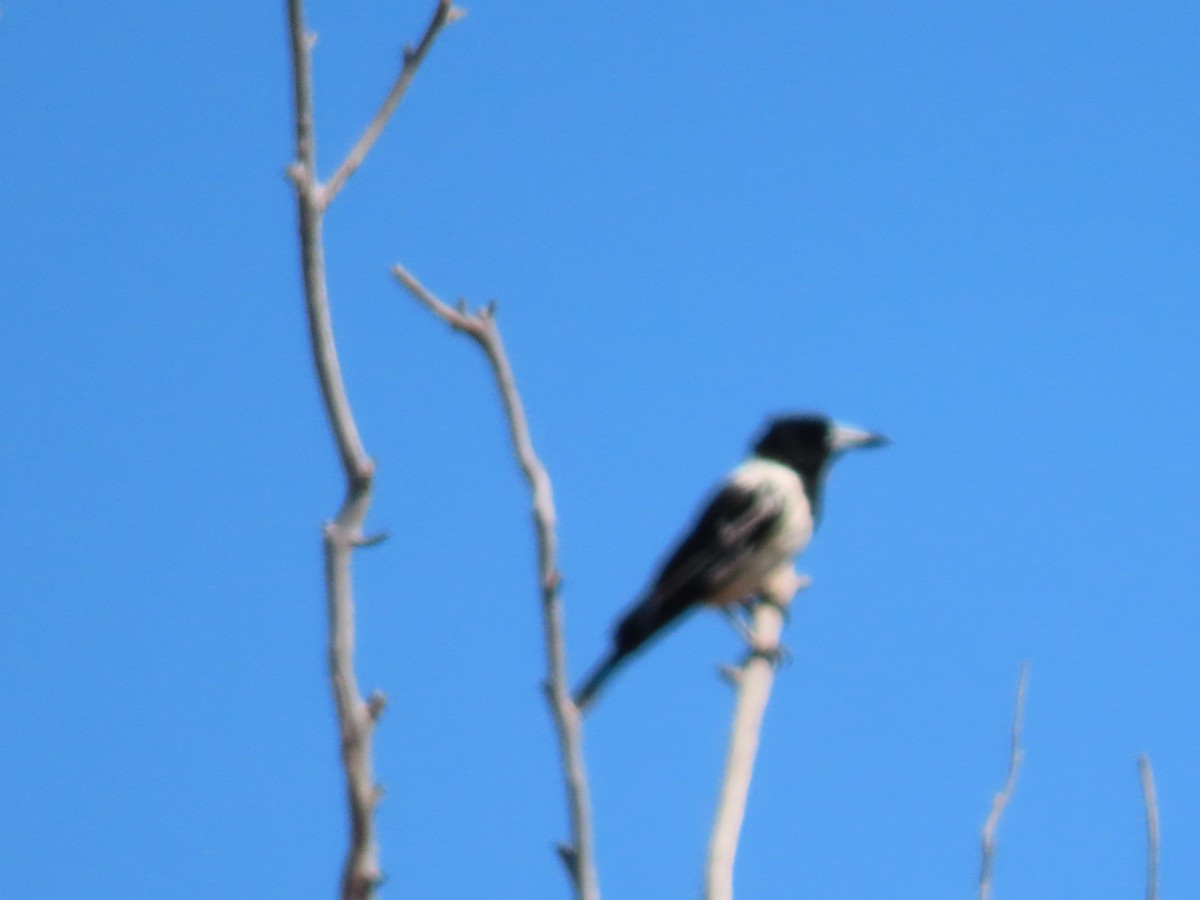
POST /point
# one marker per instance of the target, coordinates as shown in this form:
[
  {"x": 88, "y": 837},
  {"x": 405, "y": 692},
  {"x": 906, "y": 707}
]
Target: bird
[{"x": 758, "y": 520}]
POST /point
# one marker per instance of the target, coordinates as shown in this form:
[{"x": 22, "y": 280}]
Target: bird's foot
[{"x": 778, "y": 655}]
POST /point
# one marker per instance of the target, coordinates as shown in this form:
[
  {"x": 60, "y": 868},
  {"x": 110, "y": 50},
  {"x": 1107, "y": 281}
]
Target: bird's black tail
[
  {"x": 586, "y": 692},
  {"x": 645, "y": 620}
]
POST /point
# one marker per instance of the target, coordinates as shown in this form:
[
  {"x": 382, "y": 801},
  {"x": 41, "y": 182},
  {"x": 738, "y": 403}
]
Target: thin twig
[
  {"x": 356, "y": 717},
  {"x": 752, "y": 682},
  {"x": 444, "y": 14},
  {"x": 481, "y": 326},
  {"x": 1150, "y": 796},
  {"x": 1000, "y": 801}
]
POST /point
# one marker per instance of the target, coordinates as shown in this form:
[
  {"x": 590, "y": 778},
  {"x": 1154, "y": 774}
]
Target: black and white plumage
[{"x": 759, "y": 519}]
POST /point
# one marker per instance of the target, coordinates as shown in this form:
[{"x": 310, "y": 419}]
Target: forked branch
[
  {"x": 356, "y": 716},
  {"x": 752, "y": 682},
  {"x": 481, "y": 327}
]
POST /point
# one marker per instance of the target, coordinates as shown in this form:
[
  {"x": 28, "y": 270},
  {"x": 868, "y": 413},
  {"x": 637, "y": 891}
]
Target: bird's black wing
[{"x": 720, "y": 548}]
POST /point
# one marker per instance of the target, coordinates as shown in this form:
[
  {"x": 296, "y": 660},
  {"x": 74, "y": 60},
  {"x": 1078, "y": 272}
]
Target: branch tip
[
  {"x": 376, "y": 704},
  {"x": 570, "y": 859},
  {"x": 413, "y": 56},
  {"x": 372, "y": 540},
  {"x": 732, "y": 675}
]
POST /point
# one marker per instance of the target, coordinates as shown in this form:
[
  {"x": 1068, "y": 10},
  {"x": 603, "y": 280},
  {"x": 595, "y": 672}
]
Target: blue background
[{"x": 972, "y": 227}]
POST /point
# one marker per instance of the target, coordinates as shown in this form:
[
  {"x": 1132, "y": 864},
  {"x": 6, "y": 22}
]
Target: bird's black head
[{"x": 809, "y": 444}]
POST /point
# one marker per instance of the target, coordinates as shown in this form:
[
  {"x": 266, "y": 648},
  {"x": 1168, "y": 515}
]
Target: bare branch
[
  {"x": 578, "y": 857},
  {"x": 444, "y": 14},
  {"x": 356, "y": 717},
  {"x": 752, "y": 681},
  {"x": 301, "y": 46},
  {"x": 1150, "y": 797},
  {"x": 312, "y": 258},
  {"x": 1000, "y": 801}
]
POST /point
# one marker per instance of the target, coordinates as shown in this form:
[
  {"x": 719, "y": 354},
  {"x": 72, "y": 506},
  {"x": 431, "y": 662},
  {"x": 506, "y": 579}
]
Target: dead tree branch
[
  {"x": 1000, "y": 801},
  {"x": 443, "y": 14},
  {"x": 752, "y": 682},
  {"x": 1150, "y": 798},
  {"x": 481, "y": 327},
  {"x": 356, "y": 717}
]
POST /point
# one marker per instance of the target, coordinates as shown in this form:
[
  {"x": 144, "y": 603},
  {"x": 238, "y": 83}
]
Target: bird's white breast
[{"x": 780, "y": 484}]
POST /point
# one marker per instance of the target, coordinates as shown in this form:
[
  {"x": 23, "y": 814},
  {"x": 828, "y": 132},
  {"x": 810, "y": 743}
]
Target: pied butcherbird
[{"x": 760, "y": 518}]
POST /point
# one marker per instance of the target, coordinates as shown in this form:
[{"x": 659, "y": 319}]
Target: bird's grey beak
[{"x": 843, "y": 437}]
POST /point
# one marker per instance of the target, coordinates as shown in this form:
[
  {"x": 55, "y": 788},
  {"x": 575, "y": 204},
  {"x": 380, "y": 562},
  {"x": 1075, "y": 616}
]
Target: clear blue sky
[{"x": 975, "y": 228}]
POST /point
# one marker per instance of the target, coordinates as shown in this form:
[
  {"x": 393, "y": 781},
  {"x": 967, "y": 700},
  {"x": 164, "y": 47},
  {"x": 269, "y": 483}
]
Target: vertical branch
[
  {"x": 1000, "y": 801},
  {"x": 578, "y": 856},
  {"x": 312, "y": 254},
  {"x": 356, "y": 717},
  {"x": 752, "y": 681},
  {"x": 1150, "y": 798}
]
